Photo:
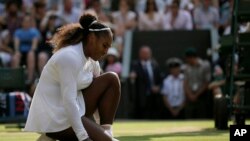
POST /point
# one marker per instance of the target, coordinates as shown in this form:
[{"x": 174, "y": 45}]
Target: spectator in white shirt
[
  {"x": 71, "y": 88},
  {"x": 206, "y": 16},
  {"x": 5, "y": 50},
  {"x": 70, "y": 13},
  {"x": 141, "y": 5},
  {"x": 184, "y": 4},
  {"x": 150, "y": 19},
  {"x": 173, "y": 90},
  {"x": 96, "y": 5},
  {"x": 177, "y": 19},
  {"x": 124, "y": 19}
]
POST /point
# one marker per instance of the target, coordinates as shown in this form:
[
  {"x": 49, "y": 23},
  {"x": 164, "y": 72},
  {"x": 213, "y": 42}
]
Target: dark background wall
[{"x": 166, "y": 44}]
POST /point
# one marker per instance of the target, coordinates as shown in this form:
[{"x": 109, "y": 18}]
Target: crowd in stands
[{"x": 27, "y": 25}]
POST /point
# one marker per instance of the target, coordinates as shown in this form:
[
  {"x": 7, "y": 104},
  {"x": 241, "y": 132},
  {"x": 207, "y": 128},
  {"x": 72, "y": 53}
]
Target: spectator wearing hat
[
  {"x": 173, "y": 90},
  {"x": 111, "y": 62},
  {"x": 197, "y": 77}
]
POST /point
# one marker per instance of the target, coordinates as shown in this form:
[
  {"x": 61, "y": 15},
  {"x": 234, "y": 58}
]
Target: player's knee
[{"x": 113, "y": 78}]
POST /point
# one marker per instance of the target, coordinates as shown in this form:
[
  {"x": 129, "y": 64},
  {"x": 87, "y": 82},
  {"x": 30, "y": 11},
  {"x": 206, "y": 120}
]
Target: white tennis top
[{"x": 58, "y": 102}]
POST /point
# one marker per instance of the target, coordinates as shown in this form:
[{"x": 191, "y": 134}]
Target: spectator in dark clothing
[
  {"x": 146, "y": 75},
  {"x": 197, "y": 77},
  {"x": 12, "y": 17},
  {"x": 47, "y": 28},
  {"x": 39, "y": 12}
]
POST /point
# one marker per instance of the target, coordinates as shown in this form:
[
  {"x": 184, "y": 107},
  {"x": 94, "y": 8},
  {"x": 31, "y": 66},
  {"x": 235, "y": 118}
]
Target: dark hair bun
[{"x": 87, "y": 18}]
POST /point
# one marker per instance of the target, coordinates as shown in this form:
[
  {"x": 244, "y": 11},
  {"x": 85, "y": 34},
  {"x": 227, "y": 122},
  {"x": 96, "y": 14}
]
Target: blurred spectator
[
  {"x": 70, "y": 13},
  {"x": 218, "y": 81},
  {"x": 226, "y": 15},
  {"x": 60, "y": 20},
  {"x": 197, "y": 3},
  {"x": 206, "y": 16},
  {"x": 215, "y": 3},
  {"x": 184, "y": 4},
  {"x": 27, "y": 6},
  {"x": 12, "y": 17},
  {"x": 150, "y": 19},
  {"x": 39, "y": 12},
  {"x": 177, "y": 19},
  {"x": 173, "y": 89},
  {"x": 79, "y": 4},
  {"x": 111, "y": 62},
  {"x": 146, "y": 75},
  {"x": 141, "y": 5},
  {"x": 124, "y": 19},
  {"x": 2, "y": 6},
  {"x": 2, "y": 23},
  {"x": 117, "y": 43},
  {"x": 106, "y": 4},
  {"x": 25, "y": 43},
  {"x": 53, "y": 5},
  {"x": 226, "y": 20},
  {"x": 48, "y": 28},
  {"x": 97, "y": 7},
  {"x": 197, "y": 77},
  {"x": 58, "y": 5},
  {"x": 6, "y": 51}
]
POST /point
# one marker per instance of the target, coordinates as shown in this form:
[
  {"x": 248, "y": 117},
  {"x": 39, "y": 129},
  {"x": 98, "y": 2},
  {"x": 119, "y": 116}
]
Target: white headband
[
  {"x": 95, "y": 21},
  {"x": 94, "y": 30},
  {"x": 102, "y": 29}
]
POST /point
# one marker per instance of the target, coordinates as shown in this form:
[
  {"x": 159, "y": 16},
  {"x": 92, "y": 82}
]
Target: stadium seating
[{"x": 12, "y": 93}]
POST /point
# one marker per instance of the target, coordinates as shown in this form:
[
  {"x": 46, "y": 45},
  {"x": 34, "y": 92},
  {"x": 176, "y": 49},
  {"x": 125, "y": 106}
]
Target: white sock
[{"x": 108, "y": 129}]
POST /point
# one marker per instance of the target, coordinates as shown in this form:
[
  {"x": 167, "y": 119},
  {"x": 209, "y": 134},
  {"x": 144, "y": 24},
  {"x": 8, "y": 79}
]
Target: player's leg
[{"x": 103, "y": 94}]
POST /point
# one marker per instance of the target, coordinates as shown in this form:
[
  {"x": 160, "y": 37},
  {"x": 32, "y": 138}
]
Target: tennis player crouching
[{"x": 71, "y": 88}]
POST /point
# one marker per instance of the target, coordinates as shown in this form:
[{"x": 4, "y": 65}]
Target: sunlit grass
[{"x": 185, "y": 130}]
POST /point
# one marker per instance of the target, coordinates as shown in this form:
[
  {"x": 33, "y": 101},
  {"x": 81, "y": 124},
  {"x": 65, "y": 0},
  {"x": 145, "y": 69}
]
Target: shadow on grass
[{"x": 204, "y": 132}]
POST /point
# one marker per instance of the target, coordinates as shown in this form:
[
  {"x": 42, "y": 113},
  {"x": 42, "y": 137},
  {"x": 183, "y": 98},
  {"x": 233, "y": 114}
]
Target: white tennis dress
[{"x": 58, "y": 102}]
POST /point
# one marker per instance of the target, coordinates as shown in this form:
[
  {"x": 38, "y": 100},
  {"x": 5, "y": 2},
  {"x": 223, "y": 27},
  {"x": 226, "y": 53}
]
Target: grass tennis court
[{"x": 202, "y": 130}]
